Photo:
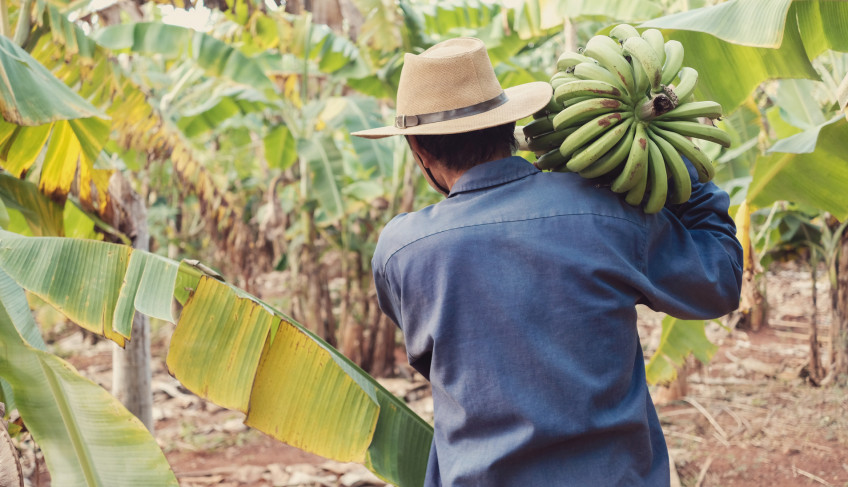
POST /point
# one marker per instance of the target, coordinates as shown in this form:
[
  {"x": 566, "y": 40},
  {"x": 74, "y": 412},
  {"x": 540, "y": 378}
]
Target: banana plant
[{"x": 228, "y": 347}]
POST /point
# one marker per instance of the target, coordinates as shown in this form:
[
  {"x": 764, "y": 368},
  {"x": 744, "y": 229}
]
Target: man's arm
[{"x": 692, "y": 257}]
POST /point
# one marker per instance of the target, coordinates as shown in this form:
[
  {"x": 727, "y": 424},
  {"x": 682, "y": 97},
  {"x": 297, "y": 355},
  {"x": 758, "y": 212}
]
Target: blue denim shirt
[{"x": 516, "y": 299}]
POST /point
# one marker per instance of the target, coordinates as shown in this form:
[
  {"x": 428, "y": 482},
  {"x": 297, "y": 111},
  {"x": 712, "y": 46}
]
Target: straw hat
[{"x": 451, "y": 88}]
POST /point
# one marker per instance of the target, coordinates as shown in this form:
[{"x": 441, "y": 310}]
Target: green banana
[
  {"x": 657, "y": 42},
  {"x": 642, "y": 52},
  {"x": 696, "y": 130},
  {"x": 569, "y": 59},
  {"x": 687, "y": 148},
  {"x": 694, "y": 109},
  {"x": 658, "y": 179},
  {"x": 551, "y": 107},
  {"x": 612, "y": 158},
  {"x": 587, "y": 87},
  {"x": 585, "y": 110},
  {"x": 551, "y": 160},
  {"x": 612, "y": 59},
  {"x": 636, "y": 167},
  {"x": 592, "y": 70},
  {"x": 549, "y": 141},
  {"x": 641, "y": 79},
  {"x": 573, "y": 101},
  {"x": 688, "y": 79},
  {"x": 635, "y": 194},
  {"x": 591, "y": 130},
  {"x": 681, "y": 188},
  {"x": 539, "y": 126},
  {"x": 559, "y": 81},
  {"x": 599, "y": 147},
  {"x": 673, "y": 61},
  {"x": 563, "y": 75},
  {"x": 623, "y": 31}
]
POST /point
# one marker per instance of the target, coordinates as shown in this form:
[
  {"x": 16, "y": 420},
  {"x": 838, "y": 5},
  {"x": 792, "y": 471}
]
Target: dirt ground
[{"x": 748, "y": 418}]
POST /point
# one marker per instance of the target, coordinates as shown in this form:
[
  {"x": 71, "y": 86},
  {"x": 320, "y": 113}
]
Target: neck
[{"x": 447, "y": 178}]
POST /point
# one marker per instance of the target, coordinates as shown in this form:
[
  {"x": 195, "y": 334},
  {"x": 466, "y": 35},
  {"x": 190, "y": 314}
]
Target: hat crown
[{"x": 453, "y": 74}]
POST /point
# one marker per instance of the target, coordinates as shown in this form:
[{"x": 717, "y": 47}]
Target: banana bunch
[{"x": 623, "y": 112}]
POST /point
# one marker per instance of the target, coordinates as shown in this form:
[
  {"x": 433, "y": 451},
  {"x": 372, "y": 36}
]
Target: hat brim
[{"x": 523, "y": 101}]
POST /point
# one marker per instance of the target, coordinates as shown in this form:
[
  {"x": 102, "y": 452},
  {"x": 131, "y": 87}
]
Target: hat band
[{"x": 404, "y": 121}]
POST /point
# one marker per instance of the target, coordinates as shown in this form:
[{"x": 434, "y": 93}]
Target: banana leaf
[
  {"x": 31, "y": 95},
  {"x": 810, "y": 167},
  {"x": 679, "y": 339},
  {"x": 87, "y": 436},
  {"x": 734, "y": 55},
  {"x": 216, "y": 57},
  {"x": 40, "y": 215},
  {"x": 324, "y": 162},
  {"x": 232, "y": 349},
  {"x": 72, "y": 147},
  {"x": 842, "y": 96}
]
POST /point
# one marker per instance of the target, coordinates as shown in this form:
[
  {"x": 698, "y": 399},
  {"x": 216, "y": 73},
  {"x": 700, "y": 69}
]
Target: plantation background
[{"x": 219, "y": 132}]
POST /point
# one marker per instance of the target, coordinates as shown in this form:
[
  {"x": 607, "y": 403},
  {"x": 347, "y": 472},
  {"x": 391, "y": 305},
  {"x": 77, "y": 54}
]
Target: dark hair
[{"x": 463, "y": 151}]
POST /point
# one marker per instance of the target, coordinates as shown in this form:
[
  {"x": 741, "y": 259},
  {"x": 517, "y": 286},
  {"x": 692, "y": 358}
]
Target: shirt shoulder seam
[{"x": 445, "y": 230}]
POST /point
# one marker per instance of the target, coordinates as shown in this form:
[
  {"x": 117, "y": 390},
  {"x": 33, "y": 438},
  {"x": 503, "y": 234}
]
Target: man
[{"x": 516, "y": 294}]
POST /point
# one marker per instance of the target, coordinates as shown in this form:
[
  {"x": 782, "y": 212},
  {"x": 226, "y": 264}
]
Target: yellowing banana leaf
[
  {"x": 71, "y": 146},
  {"x": 31, "y": 95},
  {"x": 234, "y": 350},
  {"x": 171, "y": 41},
  {"x": 810, "y": 168},
  {"x": 87, "y": 436},
  {"x": 679, "y": 339}
]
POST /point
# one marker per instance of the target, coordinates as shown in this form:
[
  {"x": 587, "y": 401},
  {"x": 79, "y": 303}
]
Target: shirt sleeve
[
  {"x": 386, "y": 297},
  {"x": 693, "y": 261}
]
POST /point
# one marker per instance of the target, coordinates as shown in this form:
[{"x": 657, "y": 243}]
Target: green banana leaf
[
  {"x": 216, "y": 57},
  {"x": 360, "y": 114},
  {"x": 679, "y": 339},
  {"x": 87, "y": 436},
  {"x": 31, "y": 210},
  {"x": 734, "y": 55},
  {"x": 842, "y": 96},
  {"x": 280, "y": 148},
  {"x": 233, "y": 349},
  {"x": 324, "y": 162},
  {"x": 810, "y": 167},
  {"x": 31, "y": 95},
  {"x": 209, "y": 110}
]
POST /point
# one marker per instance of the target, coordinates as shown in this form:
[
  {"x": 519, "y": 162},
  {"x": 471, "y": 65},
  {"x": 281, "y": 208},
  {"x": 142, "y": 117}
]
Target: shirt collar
[{"x": 493, "y": 173}]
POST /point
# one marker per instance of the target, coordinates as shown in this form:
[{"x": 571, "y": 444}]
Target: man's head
[
  {"x": 460, "y": 152},
  {"x": 450, "y": 99}
]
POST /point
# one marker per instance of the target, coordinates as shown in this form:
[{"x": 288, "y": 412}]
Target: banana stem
[{"x": 652, "y": 108}]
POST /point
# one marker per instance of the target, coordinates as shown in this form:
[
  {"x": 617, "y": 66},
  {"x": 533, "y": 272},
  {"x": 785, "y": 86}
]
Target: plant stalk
[
  {"x": 652, "y": 108},
  {"x": 24, "y": 25},
  {"x": 4, "y": 18}
]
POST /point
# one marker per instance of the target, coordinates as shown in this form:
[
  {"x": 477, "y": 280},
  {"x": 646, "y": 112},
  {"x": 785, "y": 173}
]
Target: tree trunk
[
  {"x": 383, "y": 350},
  {"x": 131, "y": 365},
  {"x": 814, "y": 369},
  {"x": 839, "y": 327},
  {"x": 11, "y": 474},
  {"x": 328, "y": 12}
]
